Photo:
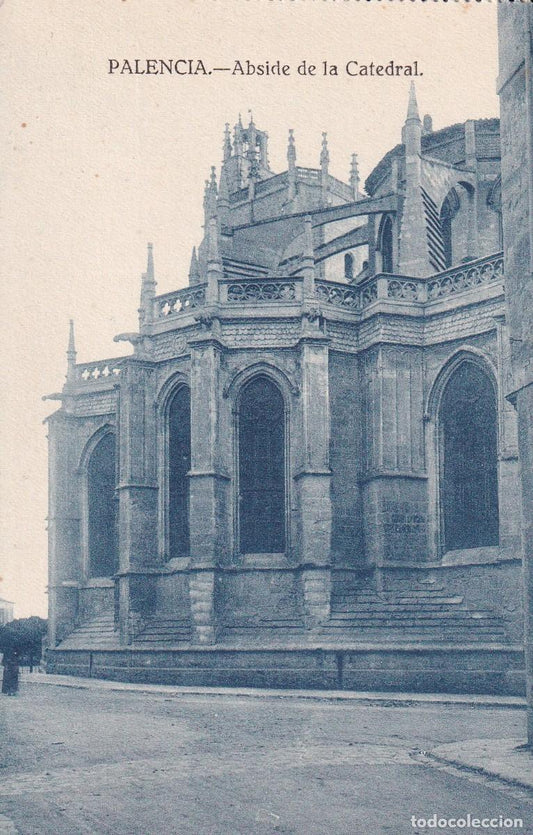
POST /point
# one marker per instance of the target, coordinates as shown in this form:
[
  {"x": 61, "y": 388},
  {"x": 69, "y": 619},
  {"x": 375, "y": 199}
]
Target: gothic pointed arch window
[
  {"x": 102, "y": 508},
  {"x": 261, "y": 447},
  {"x": 469, "y": 459},
  {"x": 386, "y": 245},
  {"x": 179, "y": 464},
  {"x": 449, "y": 209}
]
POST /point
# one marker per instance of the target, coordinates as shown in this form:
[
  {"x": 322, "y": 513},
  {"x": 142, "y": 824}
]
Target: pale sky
[{"x": 95, "y": 165}]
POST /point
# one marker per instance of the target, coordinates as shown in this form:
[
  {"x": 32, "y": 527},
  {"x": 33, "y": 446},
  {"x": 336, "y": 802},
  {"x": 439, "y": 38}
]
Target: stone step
[
  {"x": 98, "y": 632},
  {"x": 415, "y": 590},
  {"x": 397, "y": 598},
  {"x": 402, "y": 614},
  {"x": 448, "y": 628},
  {"x": 412, "y": 637},
  {"x": 165, "y": 627},
  {"x": 235, "y": 623},
  {"x": 162, "y": 640},
  {"x": 413, "y": 624},
  {"x": 396, "y": 607}
]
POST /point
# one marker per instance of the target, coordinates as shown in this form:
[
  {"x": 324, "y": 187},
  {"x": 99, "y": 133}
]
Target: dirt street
[{"x": 136, "y": 763}]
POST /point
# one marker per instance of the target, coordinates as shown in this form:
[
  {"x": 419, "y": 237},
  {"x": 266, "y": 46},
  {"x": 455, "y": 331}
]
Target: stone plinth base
[{"x": 419, "y": 669}]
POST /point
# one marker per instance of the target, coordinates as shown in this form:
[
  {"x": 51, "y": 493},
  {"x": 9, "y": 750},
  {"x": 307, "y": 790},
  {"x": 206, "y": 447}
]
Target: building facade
[
  {"x": 515, "y": 25},
  {"x": 306, "y": 472},
  {"x": 6, "y": 611}
]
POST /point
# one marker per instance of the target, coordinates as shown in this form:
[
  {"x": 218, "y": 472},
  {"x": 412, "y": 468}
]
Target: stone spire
[
  {"x": 412, "y": 107},
  {"x": 213, "y": 180},
  {"x": 324, "y": 153},
  {"x": 214, "y": 262},
  {"x": 148, "y": 286},
  {"x": 223, "y": 212},
  {"x": 324, "y": 166},
  {"x": 308, "y": 259},
  {"x": 206, "y": 202},
  {"x": 291, "y": 160},
  {"x": 71, "y": 352},
  {"x": 354, "y": 177},
  {"x": 252, "y": 136},
  {"x": 227, "y": 143},
  {"x": 237, "y": 138},
  {"x": 414, "y": 252},
  {"x": 194, "y": 269},
  {"x": 412, "y": 130},
  {"x": 210, "y": 197},
  {"x": 150, "y": 274}
]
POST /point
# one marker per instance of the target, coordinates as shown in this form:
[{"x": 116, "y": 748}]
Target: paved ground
[{"x": 130, "y": 762}]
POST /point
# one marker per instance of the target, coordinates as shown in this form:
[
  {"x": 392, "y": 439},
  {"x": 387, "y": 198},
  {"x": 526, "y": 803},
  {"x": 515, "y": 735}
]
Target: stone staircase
[
  {"x": 163, "y": 631},
  {"x": 97, "y": 633},
  {"x": 419, "y": 613}
]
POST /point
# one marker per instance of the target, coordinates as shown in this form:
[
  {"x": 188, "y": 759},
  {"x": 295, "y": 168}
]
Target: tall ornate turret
[
  {"x": 414, "y": 254},
  {"x": 223, "y": 200},
  {"x": 227, "y": 142},
  {"x": 214, "y": 262},
  {"x": 148, "y": 286},
  {"x": 247, "y": 160},
  {"x": 308, "y": 259},
  {"x": 194, "y": 268},
  {"x": 412, "y": 129},
  {"x": 291, "y": 164},
  {"x": 354, "y": 177},
  {"x": 324, "y": 167},
  {"x": 71, "y": 353},
  {"x": 210, "y": 197}
]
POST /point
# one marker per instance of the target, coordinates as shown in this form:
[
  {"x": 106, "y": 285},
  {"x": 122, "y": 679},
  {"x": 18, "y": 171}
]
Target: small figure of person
[{"x": 10, "y": 678}]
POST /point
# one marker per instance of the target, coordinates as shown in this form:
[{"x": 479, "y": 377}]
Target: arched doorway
[
  {"x": 102, "y": 509},
  {"x": 261, "y": 468},
  {"x": 179, "y": 464},
  {"x": 469, "y": 460}
]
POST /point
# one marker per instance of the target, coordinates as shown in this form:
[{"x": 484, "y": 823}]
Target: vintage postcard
[{"x": 266, "y": 402}]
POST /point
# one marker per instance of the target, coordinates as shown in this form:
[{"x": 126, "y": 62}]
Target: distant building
[
  {"x": 306, "y": 473},
  {"x": 6, "y": 611}
]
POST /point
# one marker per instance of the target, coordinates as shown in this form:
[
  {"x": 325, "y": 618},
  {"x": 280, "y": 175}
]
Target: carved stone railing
[
  {"x": 387, "y": 287},
  {"x": 347, "y": 296},
  {"x": 261, "y": 290},
  {"x": 180, "y": 301},
  {"x": 406, "y": 289},
  {"x": 368, "y": 293},
  {"x": 466, "y": 277},
  {"x": 339, "y": 295},
  {"x": 104, "y": 370}
]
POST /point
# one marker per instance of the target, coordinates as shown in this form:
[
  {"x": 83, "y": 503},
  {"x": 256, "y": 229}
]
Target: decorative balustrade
[
  {"x": 387, "y": 287},
  {"x": 457, "y": 280},
  {"x": 404, "y": 289},
  {"x": 261, "y": 290},
  {"x": 106, "y": 370},
  {"x": 339, "y": 295},
  {"x": 346, "y": 296},
  {"x": 383, "y": 287},
  {"x": 180, "y": 301},
  {"x": 368, "y": 293}
]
